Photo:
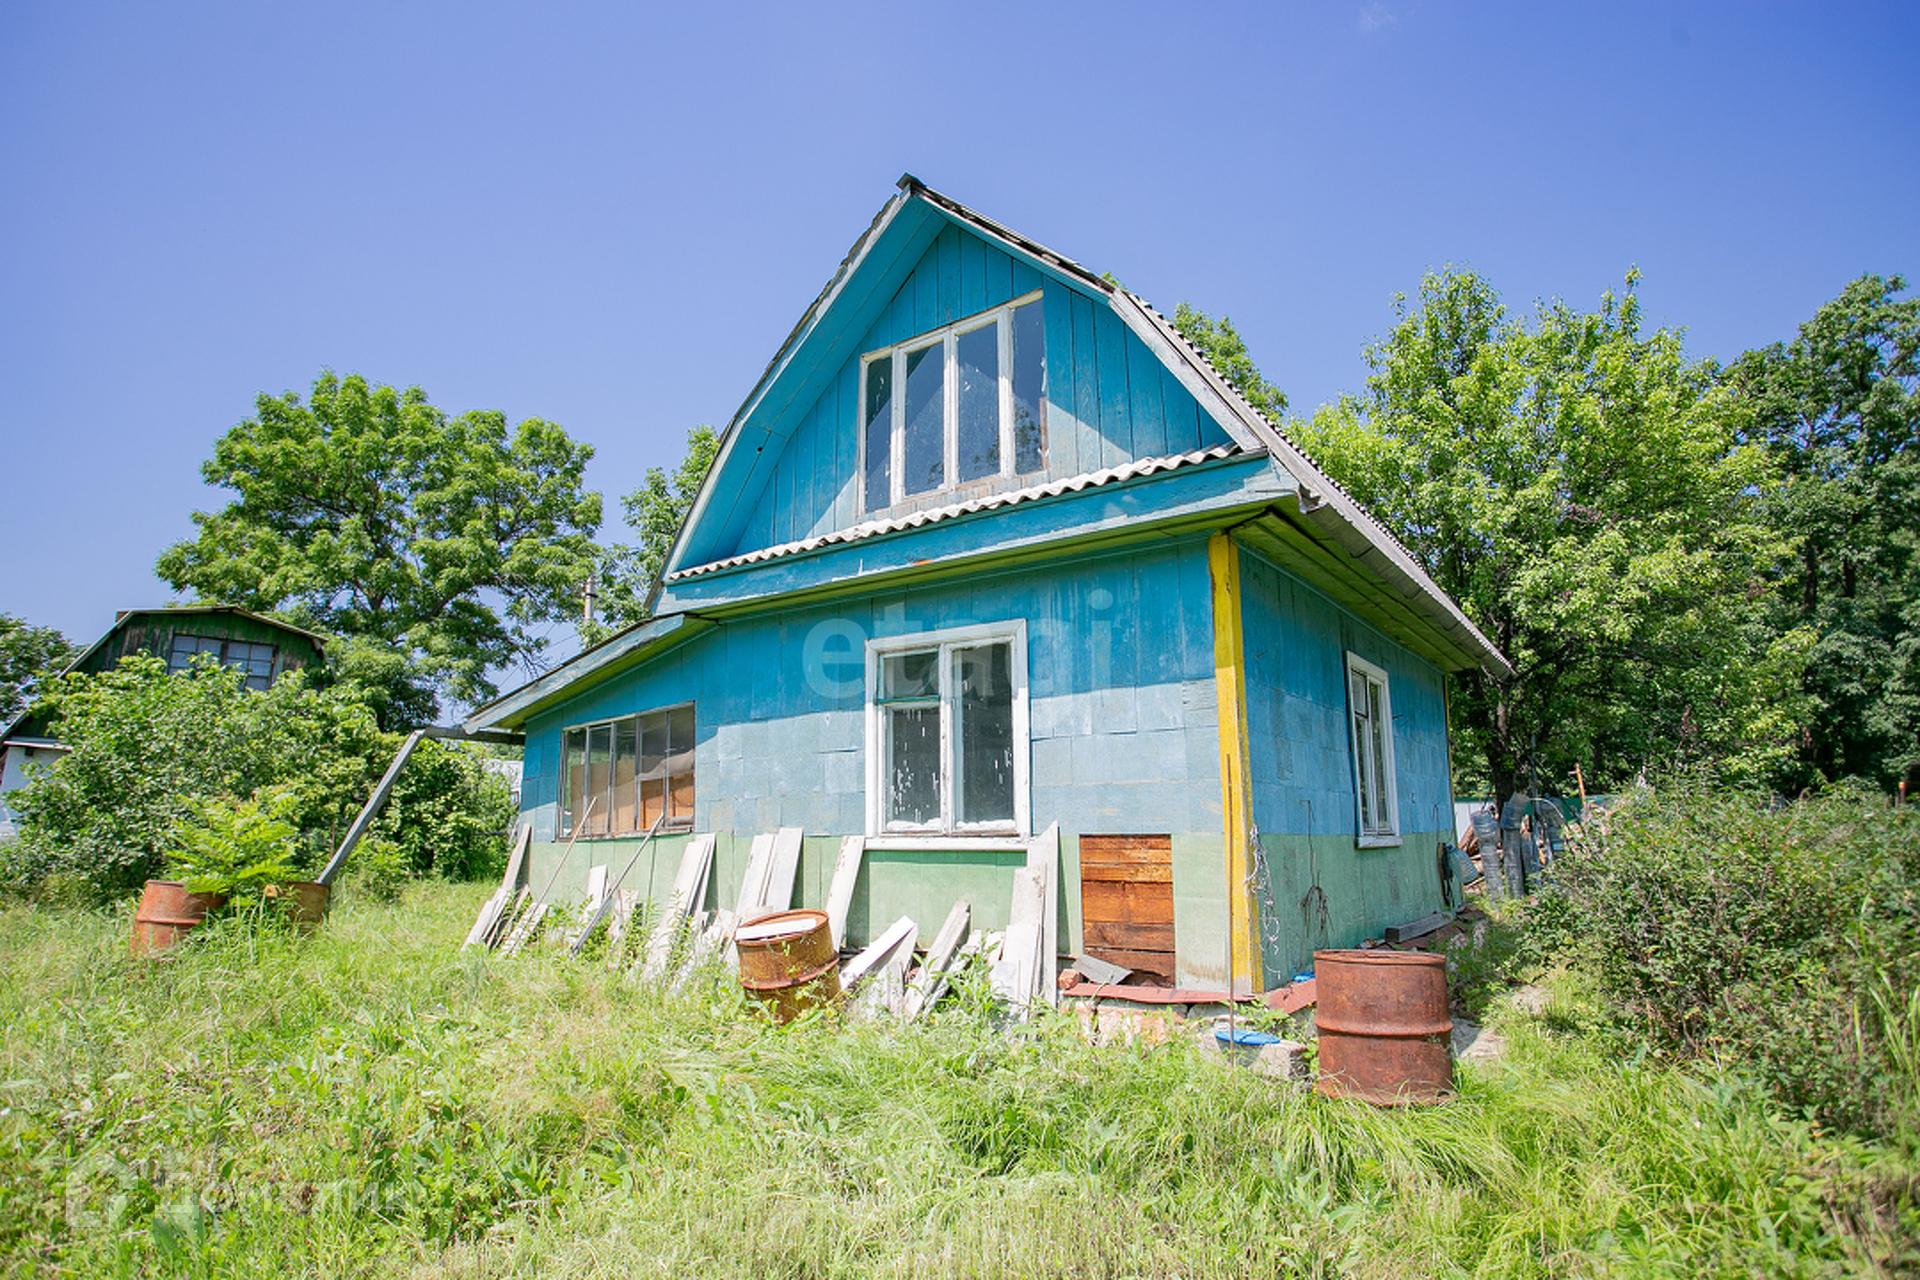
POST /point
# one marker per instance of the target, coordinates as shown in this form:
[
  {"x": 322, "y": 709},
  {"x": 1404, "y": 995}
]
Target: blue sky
[{"x": 609, "y": 216}]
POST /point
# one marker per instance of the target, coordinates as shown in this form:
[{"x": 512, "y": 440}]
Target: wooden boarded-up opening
[{"x": 1126, "y": 902}]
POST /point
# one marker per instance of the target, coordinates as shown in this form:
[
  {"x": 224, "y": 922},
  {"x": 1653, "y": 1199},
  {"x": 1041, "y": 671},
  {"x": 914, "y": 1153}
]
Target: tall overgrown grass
[
  {"x": 1778, "y": 940},
  {"x": 371, "y": 1102}
]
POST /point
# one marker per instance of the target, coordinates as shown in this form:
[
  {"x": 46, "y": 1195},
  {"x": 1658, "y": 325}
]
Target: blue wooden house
[{"x": 991, "y": 547}]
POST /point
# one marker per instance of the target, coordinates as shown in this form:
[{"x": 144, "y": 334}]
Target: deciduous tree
[
  {"x": 1838, "y": 408},
  {"x": 29, "y": 656},
  {"x": 1577, "y": 485},
  {"x": 371, "y": 514},
  {"x": 654, "y": 511}
]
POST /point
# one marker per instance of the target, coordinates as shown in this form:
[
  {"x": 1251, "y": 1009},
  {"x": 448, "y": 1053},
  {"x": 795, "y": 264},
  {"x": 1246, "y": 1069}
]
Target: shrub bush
[
  {"x": 148, "y": 751},
  {"x": 1756, "y": 933},
  {"x": 448, "y": 814},
  {"x": 237, "y": 847}
]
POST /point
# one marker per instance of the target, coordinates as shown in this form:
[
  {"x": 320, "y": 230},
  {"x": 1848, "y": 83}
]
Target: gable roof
[{"x": 1325, "y": 514}]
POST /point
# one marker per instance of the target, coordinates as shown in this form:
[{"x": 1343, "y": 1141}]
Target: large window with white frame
[
  {"x": 620, "y": 776},
  {"x": 947, "y": 732},
  {"x": 1370, "y": 711},
  {"x": 956, "y": 405}
]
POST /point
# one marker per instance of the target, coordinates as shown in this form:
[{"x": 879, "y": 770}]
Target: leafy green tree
[
  {"x": 147, "y": 750},
  {"x": 655, "y": 512},
  {"x": 369, "y": 513},
  {"x": 1224, "y": 348},
  {"x": 448, "y": 814},
  {"x": 1577, "y": 485},
  {"x": 1838, "y": 408},
  {"x": 29, "y": 657}
]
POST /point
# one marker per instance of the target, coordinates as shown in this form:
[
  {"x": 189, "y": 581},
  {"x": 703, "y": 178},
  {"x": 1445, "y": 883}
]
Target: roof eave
[{"x": 638, "y": 642}]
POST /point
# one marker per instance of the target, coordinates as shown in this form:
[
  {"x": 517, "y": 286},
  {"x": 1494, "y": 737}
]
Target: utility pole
[{"x": 588, "y": 597}]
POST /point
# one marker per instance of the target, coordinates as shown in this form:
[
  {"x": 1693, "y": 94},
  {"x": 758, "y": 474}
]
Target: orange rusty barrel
[
  {"x": 1385, "y": 1033},
  {"x": 305, "y": 903},
  {"x": 166, "y": 914},
  {"x": 788, "y": 962}
]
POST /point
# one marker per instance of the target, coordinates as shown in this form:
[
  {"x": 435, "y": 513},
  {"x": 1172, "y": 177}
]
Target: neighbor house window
[
  {"x": 621, "y": 775},
  {"x": 956, "y": 405},
  {"x": 254, "y": 659},
  {"x": 1371, "y": 713},
  {"x": 947, "y": 732}
]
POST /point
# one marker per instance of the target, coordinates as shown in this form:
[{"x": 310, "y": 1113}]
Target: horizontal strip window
[{"x": 621, "y": 775}]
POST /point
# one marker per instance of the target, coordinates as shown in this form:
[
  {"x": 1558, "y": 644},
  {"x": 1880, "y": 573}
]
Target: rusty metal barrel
[
  {"x": 788, "y": 962},
  {"x": 305, "y": 903},
  {"x": 166, "y": 914},
  {"x": 1385, "y": 1032}
]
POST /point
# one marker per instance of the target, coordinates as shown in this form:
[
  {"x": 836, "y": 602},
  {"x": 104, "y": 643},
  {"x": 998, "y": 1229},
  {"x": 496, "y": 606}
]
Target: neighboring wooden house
[
  {"x": 990, "y": 547},
  {"x": 263, "y": 648}
]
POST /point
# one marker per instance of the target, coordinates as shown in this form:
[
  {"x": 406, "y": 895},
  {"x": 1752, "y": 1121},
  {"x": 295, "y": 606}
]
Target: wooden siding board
[
  {"x": 1062, "y": 430},
  {"x": 1149, "y": 414},
  {"x": 973, "y": 274},
  {"x": 949, "y": 247},
  {"x": 1131, "y": 935},
  {"x": 1116, "y": 416},
  {"x": 1023, "y": 279},
  {"x": 1180, "y": 411},
  {"x": 1001, "y": 276},
  {"x": 926, "y": 293},
  {"x": 1086, "y": 386}
]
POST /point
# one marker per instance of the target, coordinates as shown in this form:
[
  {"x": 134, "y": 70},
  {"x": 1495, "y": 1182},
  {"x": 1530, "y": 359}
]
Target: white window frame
[
  {"x": 1385, "y": 832},
  {"x": 1014, "y": 635},
  {"x": 948, "y": 337}
]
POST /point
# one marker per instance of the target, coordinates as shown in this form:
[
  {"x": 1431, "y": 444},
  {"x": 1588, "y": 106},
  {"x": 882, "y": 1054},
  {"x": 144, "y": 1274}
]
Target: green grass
[{"x": 371, "y": 1102}]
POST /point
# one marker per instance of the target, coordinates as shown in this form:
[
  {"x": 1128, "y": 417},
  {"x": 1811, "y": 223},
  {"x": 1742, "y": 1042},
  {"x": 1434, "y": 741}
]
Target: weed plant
[
  {"x": 373, "y": 1102},
  {"x": 1779, "y": 940}
]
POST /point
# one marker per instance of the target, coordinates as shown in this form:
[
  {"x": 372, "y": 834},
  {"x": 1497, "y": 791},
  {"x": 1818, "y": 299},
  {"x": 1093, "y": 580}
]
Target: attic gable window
[
  {"x": 956, "y": 405},
  {"x": 254, "y": 659},
  {"x": 1375, "y": 787}
]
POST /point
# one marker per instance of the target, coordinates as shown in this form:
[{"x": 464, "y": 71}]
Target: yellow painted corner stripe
[{"x": 1230, "y": 688}]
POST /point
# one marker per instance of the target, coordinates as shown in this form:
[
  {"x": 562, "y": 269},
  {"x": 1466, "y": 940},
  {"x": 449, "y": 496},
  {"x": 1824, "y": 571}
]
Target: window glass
[
  {"x": 255, "y": 659},
  {"x": 636, "y": 766},
  {"x": 1029, "y": 386},
  {"x": 185, "y": 647},
  {"x": 924, "y": 441},
  {"x": 910, "y": 675},
  {"x": 944, "y": 737},
  {"x": 913, "y": 765},
  {"x": 978, "y": 354},
  {"x": 939, "y": 411},
  {"x": 879, "y": 431},
  {"x": 574, "y": 770},
  {"x": 599, "y": 775},
  {"x": 680, "y": 737},
  {"x": 1371, "y": 713},
  {"x": 983, "y": 734},
  {"x": 625, "y": 759},
  {"x": 1377, "y": 721}
]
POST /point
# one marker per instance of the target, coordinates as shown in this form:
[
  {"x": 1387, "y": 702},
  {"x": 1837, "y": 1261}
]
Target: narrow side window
[{"x": 1370, "y": 713}]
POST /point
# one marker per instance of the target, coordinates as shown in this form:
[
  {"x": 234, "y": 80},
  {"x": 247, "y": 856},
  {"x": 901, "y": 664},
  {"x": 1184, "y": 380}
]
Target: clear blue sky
[{"x": 610, "y": 216}]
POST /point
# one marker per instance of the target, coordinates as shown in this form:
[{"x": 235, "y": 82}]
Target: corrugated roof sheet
[{"x": 1052, "y": 489}]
